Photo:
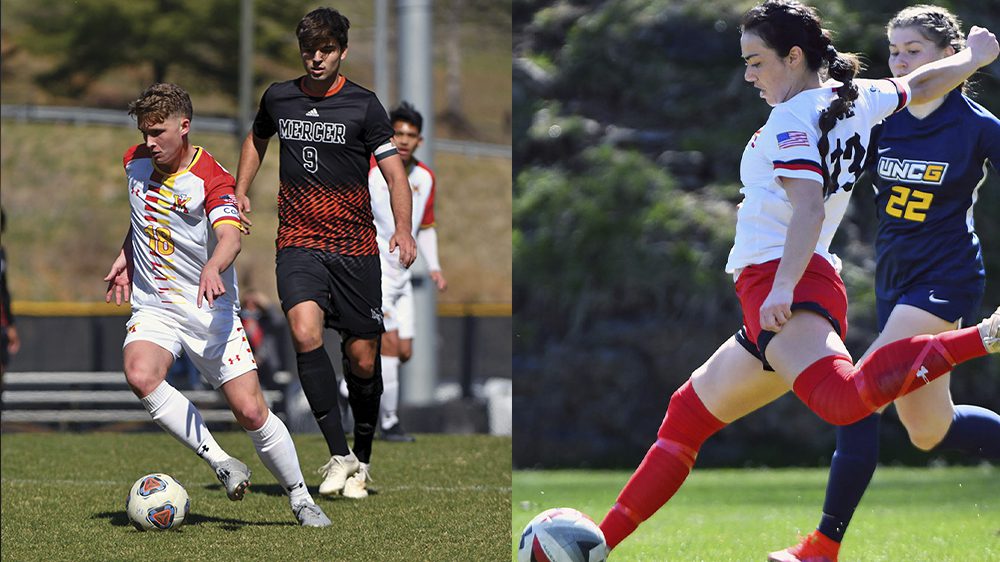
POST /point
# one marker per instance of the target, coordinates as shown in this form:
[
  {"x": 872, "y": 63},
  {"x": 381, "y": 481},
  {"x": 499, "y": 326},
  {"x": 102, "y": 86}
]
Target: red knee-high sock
[
  {"x": 685, "y": 427},
  {"x": 842, "y": 394}
]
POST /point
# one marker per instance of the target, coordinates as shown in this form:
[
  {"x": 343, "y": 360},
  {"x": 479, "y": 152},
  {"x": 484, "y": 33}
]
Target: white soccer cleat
[
  {"x": 336, "y": 472},
  {"x": 356, "y": 486},
  {"x": 235, "y": 476},
  {"x": 989, "y": 330}
]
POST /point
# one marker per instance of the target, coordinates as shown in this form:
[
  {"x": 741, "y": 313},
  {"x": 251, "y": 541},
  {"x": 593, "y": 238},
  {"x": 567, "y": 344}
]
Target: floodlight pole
[
  {"x": 382, "y": 52},
  {"x": 415, "y": 55},
  {"x": 246, "y": 70}
]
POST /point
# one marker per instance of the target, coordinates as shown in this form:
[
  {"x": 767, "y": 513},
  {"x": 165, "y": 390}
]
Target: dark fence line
[
  {"x": 226, "y": 125},
  {"x": 471, "y": 348}
]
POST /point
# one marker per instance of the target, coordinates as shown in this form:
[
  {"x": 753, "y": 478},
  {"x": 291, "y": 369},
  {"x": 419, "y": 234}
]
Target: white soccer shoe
[
  {"x": 336, "y": 472},
  {"x": 989, "y": 330},
  {"x": 356, "y": 486},
  {"x": 235, "y": 476}
]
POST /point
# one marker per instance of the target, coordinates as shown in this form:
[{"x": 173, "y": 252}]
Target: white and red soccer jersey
[
  {"x": 788, "y": 146},
  {"x": 422, "y": 186},
  {"x": 173, "y": 221}
]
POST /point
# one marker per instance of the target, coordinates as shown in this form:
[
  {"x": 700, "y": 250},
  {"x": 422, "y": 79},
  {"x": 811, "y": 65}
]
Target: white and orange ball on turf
[
  {"x": 157, "y": 502},
  {"x": 562, "y": 534}
]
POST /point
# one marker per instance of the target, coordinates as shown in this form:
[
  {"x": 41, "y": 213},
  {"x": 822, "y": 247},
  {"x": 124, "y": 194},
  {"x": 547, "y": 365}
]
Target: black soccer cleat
[{"x": 396, "y": 433}]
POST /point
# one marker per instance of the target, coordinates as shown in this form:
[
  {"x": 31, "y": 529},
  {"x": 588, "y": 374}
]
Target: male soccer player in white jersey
[
  {"x": 397, "y": 288},
  {"x": 176, "y": 266}
]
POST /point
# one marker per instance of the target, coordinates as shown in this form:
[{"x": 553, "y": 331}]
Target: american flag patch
[{"x": 792, "y": 138}]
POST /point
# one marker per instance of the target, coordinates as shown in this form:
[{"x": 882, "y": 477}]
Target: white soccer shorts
[
  {"x": 397, "y": 306},
  {"x": 221, "y": 353}
]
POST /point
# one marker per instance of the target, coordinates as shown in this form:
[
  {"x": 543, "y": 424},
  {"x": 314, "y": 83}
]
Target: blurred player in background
[
  {"x": 930, "y": 276},
  {"x": 397, "y": 287},
  {"x": 264, "y": 325},
  {"x": 176, "y": 267},
  {"x": 327, "y": 260},
  {"x": 10, "y": 343},
  {"x": 797, "y": 172}
]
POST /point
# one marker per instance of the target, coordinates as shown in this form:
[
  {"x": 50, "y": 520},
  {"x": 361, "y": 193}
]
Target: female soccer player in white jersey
[
  {"x": 796, "y": 172},
  {"x": 176, "y": 266},
  {"x": 929, "y": 272}
]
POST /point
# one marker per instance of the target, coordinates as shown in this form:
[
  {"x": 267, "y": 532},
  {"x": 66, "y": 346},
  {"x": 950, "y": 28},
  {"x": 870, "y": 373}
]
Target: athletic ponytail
[{"x": 842, "y": 67}]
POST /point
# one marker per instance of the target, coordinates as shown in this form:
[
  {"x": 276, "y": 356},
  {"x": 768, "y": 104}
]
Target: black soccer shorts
[{"x": 347, "y": 288}]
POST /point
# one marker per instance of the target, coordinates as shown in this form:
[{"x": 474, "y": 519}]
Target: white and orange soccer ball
[
  {"x": 562, "y": 534},
  {"x": 157, "y": 502}
]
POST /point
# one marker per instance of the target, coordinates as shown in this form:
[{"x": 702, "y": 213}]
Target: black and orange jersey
[{"x": 327, "y": 140}]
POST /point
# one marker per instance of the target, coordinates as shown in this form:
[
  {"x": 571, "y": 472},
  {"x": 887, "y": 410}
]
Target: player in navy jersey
[
  {"x": 797, "y": 171},
  {"x": 327, "y": 261},
  {"x": 927, "y": 164}
]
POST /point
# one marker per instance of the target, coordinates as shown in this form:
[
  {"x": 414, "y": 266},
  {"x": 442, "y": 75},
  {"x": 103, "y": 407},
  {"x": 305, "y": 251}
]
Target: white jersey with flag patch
[
  {"x": 788, "y": 146},
  {"x": 173, "y": 220}
]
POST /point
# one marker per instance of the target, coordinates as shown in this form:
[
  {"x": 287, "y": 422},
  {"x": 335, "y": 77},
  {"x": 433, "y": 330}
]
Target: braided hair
[
  {"x": 783, "y": 24},
  {"x": 935, "y": 24}
]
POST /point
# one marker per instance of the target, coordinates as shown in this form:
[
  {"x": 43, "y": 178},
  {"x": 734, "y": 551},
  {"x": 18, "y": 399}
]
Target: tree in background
[{"x": 89, "y": 39}]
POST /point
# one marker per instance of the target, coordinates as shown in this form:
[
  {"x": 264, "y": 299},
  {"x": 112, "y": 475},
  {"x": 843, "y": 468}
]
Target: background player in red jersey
[
  {"x": 327, "y": 262},
  {"x": 176, "y": 267},
  {"x": 397, "y": 287}
]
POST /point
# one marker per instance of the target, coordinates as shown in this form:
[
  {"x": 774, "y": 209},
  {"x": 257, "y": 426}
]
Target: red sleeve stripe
[
  {"x": 227, "y": 220},
  {"x": 901, "y": 92},
  {"x": 427, "y": 220},
  {"x": 807, "y": 165}
]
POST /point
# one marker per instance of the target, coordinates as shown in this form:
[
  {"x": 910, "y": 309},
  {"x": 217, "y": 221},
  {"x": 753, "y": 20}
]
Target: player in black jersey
[{"x": 327, "y": 262}]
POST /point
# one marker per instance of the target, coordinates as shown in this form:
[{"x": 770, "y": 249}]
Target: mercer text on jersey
[{"x": 311, "y": 131}]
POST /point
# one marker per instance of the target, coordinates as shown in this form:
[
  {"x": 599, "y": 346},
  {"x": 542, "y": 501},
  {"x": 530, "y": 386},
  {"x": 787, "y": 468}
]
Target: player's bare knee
[
  {"x": 404, "y": 355},
  {"x": 361, "y": 356},
  {"x": 925, "y": 439},
  {"x": 141, "y": 379},
  {"x": 927, "y": 427},
  {"x": 305, "y": 337},
  {"x": 140, "y": 387},
  {"x": 363, "y": 367},
  {"x": 252, "y": 415}
]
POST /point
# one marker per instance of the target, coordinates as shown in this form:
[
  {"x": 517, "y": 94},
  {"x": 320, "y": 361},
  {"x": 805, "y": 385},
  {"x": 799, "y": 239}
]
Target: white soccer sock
[
  {"x": 390, "y": 391},
  {"x": 277, "y": 450},
  {"x": 179, "y": 417}
]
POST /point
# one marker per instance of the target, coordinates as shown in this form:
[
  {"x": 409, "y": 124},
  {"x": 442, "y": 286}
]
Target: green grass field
[
  {"x": 63, "y": 498},
  {"x": 908, "y": 514}
]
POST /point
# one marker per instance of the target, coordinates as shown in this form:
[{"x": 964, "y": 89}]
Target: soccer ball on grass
[
  {"x": 562, "y": 534},
  {"x": 157, "y": 502}
]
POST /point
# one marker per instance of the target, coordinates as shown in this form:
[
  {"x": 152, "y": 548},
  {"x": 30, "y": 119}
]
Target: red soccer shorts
[{"x": 820, "y": 290}]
